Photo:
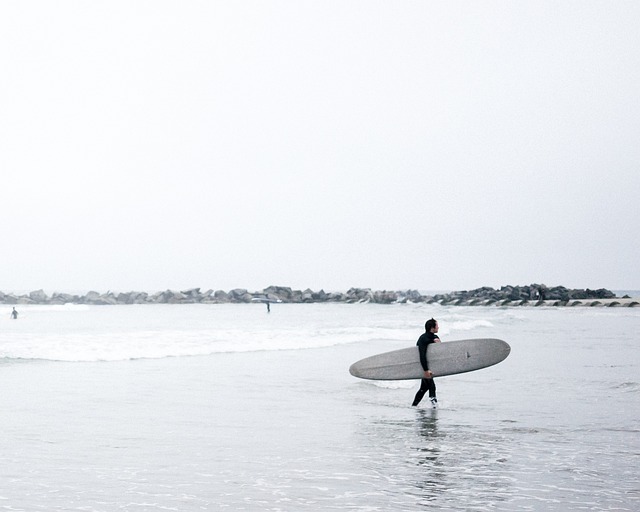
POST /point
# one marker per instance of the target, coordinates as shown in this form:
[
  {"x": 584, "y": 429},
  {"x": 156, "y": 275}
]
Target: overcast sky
[{"x": 148, "y": 145}]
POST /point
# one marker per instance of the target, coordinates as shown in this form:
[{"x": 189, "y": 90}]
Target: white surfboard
[{"x": 446, "y": 358}]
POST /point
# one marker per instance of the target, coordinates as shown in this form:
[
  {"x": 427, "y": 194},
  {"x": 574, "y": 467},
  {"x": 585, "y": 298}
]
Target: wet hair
[{"x": 430, "y": 324}]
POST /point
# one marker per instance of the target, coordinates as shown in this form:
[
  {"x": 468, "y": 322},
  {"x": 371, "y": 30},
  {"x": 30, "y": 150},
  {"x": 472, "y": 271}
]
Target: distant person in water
[
  {"x": 427, "y": 384},
  {"x": 14, "y": 314}
]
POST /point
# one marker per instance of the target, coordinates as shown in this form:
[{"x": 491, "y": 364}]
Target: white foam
[
  {"x": 112, "y": 333},
  {"x": 468, "y": 325},
  {"x": 395, "y": 384}
]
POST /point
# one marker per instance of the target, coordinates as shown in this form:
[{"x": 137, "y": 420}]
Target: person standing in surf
[{"x": 427, "y": 383}]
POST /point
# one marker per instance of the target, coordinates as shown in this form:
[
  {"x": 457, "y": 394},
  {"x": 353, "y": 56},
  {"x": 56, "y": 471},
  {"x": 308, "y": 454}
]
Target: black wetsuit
[{"x": 426, "y": 384}]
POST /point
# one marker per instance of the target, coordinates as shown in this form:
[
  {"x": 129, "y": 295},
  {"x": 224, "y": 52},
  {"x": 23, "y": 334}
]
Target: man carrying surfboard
[{"x": 427, "y": 383}]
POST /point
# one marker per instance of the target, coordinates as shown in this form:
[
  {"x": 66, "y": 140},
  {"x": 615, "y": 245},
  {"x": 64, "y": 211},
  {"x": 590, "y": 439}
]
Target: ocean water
[{"x": 226, "y": 407}]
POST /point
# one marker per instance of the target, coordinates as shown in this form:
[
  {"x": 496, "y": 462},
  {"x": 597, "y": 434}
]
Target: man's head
[{"x": 431, "y": 325}]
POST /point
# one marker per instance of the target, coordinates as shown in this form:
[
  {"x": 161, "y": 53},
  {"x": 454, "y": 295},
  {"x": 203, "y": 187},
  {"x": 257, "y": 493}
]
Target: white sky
[{"x": 158, "y": 144}]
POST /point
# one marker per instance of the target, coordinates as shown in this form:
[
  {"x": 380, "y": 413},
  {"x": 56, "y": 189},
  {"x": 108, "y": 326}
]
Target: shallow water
[{"x": 230, "y": 408}]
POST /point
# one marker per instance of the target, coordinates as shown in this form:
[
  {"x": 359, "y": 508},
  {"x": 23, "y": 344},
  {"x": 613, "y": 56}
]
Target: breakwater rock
[
  {"x": 197, "y": 296},
  {"x": 532, "y": 295}
]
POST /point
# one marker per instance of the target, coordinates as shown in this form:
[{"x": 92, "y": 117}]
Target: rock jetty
[{"x": 531, "y": 295}]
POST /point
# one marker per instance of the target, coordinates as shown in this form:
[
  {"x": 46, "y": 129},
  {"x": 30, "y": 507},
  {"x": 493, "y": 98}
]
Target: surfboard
[{"x": 446, "y": 358}]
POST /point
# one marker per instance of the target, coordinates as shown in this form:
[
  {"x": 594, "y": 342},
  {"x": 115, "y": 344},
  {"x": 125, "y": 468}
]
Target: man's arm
[{"x": 422, "y": 349}]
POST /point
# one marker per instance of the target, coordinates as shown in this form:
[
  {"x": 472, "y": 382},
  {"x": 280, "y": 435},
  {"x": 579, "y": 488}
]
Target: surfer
[
  {"x": 14, "y": 314},
  {"x": 427, "y": 383}
]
